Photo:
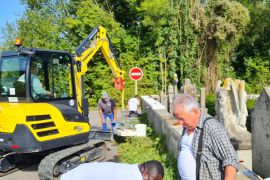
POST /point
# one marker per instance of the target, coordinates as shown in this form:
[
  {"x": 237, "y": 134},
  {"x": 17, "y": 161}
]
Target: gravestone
[
  {"x": 202, "y": 100},
  {"x": 163, "y": 99},
  {"x": 189, "y": 88},
  {"x": 171, "y": 96},
  {"x": 231, "y": 111},
  {"x": 260, "y": 120}
]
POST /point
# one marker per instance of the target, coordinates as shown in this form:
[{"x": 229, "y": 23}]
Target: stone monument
[
  {"x": 232, "y": 112},
  {"x": 163, "y": 99},
  {"x": 260, "y": 120},
  {"x": 171, "y": 96},
  {"x": 189, "y": 88}
]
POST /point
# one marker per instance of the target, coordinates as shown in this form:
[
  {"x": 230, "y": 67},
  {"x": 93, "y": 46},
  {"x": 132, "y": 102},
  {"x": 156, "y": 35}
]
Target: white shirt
[
  {"x": 104, "y": 171},
  {"x": 186, "y": 159},
  {"x": 133, "y": 104}
]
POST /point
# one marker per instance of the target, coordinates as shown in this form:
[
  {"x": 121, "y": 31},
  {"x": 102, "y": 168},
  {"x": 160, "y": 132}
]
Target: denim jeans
[{"x": 104, "y": 125}]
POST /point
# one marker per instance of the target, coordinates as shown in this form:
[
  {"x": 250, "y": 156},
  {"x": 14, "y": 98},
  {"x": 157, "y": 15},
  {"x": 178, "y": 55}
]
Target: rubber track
[
  {"x": 19, "y": 166},
  {"x": 11, "y": 171},
  {"x": 46, "y": 166},
  {"x": 16, "y": 168}
]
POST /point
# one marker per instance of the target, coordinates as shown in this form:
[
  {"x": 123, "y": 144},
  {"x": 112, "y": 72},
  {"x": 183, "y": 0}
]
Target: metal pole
[
  {"x": 136, "y": 88},
  {"x": 123, "y": 99},
  {"x": 123, "y": 104}
]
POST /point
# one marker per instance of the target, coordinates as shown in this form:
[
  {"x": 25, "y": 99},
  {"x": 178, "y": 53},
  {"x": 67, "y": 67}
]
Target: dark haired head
[{"x": 152, "y": 170}]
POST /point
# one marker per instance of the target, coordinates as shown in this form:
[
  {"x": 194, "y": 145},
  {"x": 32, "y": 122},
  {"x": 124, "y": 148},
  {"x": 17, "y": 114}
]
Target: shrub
[
  {"x": 210, "y": 104},
  {"x": 250, "y": 106}
]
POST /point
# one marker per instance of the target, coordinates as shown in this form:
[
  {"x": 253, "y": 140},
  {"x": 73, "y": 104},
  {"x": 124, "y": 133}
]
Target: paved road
[{"x": 30, "y": 172}]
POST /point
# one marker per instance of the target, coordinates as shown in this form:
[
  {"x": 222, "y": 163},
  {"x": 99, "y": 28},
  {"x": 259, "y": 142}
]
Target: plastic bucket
[{"x": 140, "y": 129}]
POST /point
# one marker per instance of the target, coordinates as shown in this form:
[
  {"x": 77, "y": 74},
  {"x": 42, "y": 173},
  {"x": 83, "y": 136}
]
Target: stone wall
[
  {"x": 261, "y": 134},
  {"x": 163, "y": 122}
]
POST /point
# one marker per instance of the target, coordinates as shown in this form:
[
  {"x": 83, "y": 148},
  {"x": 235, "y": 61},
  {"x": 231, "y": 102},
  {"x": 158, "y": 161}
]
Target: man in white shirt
[
  {"x": 205, "y": 148},
  {"x": 133, "y": 106},
  {"x": 149, "y": 170}
]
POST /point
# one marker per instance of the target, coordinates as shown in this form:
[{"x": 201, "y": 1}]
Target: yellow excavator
[{"x": 43, "y": 108}]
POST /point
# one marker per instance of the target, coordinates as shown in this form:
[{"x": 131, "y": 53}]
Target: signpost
[{"x": 136, "y": 74}]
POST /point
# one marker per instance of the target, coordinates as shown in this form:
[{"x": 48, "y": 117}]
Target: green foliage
[
  {"x": 257, "y": 74},
  {"x": 252, "y": 55},
  {"x": 158, "y": 35},
  {"x": 250, "y": 106},
  {"x": 9, "y": 33},
  {"x": 125, "y": 11},
  {"x": 210, "y": 102},
  {"x": 138, "y": 150},
  {"x": 219, "y": 26},
  {"x": 188, "y": 45}
]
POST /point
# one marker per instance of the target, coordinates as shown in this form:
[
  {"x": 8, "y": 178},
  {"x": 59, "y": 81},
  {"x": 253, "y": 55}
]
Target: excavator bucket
[{"x": 101, "y": 135}]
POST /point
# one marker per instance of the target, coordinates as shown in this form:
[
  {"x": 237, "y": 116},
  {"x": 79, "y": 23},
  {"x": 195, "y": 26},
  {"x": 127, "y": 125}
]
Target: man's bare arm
[{"x": 230, "y": 173}]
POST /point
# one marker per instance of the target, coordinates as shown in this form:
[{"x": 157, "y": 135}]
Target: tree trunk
[{"x": 210, "y": 60}]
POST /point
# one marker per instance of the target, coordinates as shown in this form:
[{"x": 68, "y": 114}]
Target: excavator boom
[{"x": 97, "y": 40}]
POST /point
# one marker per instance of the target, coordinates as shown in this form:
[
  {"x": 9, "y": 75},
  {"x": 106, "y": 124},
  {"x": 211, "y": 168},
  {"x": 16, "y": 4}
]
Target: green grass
[{"x": 140, "y": 149}]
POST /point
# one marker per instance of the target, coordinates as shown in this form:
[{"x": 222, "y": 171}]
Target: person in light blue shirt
[
  {"x": 36, "y": 86},
  {"x": 149, "y": 170}
]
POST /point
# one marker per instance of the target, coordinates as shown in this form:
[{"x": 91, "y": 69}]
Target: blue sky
[{"x": 10, "y": 10}]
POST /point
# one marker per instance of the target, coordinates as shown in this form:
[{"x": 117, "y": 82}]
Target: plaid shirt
[{"x": 217, "y": 150}]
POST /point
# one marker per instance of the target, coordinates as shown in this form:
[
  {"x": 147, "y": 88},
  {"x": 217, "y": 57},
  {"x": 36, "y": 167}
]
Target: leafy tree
[
  {"x": 219, "y": 26},
  {"x": 9, "y": 32},
  {"x": 125, "y": 11},
  {"x": 42, "y": 25},
  {"x": 158, "y": 24},
  {"x": 257, "y": 73},
  {"x": 252, "y": 56},
  {"x": 188, "y": 66}
]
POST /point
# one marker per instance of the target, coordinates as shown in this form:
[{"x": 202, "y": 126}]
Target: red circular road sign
[{"x": 136, "y": 74}]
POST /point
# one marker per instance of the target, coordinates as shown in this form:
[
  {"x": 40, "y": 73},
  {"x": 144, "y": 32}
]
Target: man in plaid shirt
[{"x": 218, "y": 159}]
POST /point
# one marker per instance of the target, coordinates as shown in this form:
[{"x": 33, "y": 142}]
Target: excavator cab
[{"x": 39, "y": 76}]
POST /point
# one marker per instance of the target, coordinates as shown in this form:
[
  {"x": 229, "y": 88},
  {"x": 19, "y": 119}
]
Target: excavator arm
[{"x": 96, "y": 40}]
